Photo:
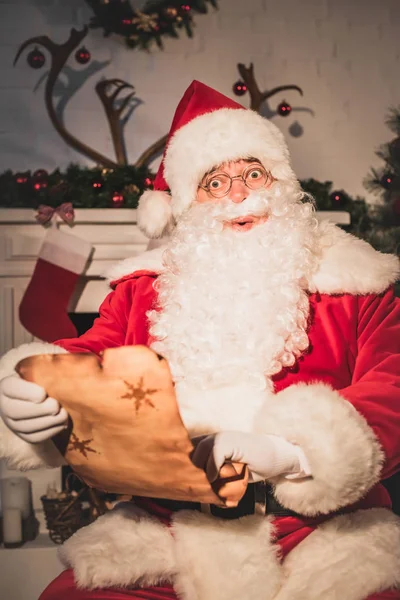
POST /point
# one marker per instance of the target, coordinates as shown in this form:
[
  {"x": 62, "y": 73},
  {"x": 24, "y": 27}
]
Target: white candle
[
  {"x": 16, "y": 493},
  {"x": 12, "y": 527}
]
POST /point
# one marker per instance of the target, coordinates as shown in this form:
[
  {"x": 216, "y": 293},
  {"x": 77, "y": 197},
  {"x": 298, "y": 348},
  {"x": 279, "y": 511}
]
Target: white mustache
[{"x": 257, "y": 204}]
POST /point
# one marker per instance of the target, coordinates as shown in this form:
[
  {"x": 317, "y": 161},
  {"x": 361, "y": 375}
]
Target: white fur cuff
[
  {"x": 343, "y": 452},
  {"x": 20, "y": 454}
]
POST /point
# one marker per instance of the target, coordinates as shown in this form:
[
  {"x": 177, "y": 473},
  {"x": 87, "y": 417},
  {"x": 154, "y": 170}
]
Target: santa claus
[{"x": 282, "y": 335}]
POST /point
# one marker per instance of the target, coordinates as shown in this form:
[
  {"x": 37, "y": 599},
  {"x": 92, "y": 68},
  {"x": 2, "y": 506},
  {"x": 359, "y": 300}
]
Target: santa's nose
[{"x": 239, "y": 191}]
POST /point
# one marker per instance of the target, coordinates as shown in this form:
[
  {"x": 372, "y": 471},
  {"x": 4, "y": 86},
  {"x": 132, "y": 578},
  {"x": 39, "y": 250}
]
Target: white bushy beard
[{"x": 232, "y": 305}]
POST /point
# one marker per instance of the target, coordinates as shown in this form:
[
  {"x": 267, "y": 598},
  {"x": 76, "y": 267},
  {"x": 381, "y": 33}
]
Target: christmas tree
[{"x": 384, "y": 230}]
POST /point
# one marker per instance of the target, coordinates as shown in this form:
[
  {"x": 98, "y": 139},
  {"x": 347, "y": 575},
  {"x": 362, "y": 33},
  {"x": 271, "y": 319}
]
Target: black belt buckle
[
  {"x": 258, "y": 499},
  {"x": 253, "y": 502}
]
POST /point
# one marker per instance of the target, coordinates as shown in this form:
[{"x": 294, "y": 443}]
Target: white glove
[
  {"x": 266, "y": 456},
  {"x": 28, "y": 412}
]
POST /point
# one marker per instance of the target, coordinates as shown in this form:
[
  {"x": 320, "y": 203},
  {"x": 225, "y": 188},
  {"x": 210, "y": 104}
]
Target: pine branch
[{"x": 393, "y": 120}]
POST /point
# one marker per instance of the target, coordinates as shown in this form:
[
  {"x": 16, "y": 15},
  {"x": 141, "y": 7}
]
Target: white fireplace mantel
[{"x": 113, "y": 233}]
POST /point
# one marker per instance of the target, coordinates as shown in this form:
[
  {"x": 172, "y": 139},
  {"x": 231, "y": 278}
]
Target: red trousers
[{"x": 63, "y": 588}]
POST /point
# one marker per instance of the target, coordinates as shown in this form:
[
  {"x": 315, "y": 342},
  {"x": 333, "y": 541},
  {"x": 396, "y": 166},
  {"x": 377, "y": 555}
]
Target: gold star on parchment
[
  {"x": 139, "y": 394},
  {"x": 81, "y": 446}
]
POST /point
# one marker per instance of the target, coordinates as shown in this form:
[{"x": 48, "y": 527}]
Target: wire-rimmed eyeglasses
[{"x": 218, "y": 184}]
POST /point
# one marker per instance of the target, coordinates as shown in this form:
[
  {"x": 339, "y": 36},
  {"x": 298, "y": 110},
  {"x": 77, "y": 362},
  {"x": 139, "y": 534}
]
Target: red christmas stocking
[{"x": 43, "y": 309}]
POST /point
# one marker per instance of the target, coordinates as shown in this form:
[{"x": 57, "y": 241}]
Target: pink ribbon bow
[{"x": 45, "y": 213}]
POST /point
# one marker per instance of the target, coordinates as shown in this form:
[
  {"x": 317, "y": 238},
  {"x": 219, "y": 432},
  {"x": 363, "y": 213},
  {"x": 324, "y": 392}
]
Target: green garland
[
  {"x": 140, "y": 29},
  {"x": 84, "y": 187},
  {"x": 326, "y": 198},
  {"x": 94, "y": 188}
]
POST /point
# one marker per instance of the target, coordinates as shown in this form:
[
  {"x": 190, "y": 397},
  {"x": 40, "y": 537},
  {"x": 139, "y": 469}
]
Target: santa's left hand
[{"x": 266, "y": 456}]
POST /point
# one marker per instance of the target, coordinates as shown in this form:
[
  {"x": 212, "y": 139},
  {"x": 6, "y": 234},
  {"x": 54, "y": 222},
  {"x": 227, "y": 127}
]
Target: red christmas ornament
[
  {"x": 118, "y": 200},
  {"x": 284, "y": 109},
  {"x": 386, "y": 181},
  {"x": 185, "y": 8},
  {"x": 82, "y": 55},
  {"x": 40, "y": 179},
  {"x": 97, "y": 183},
  {"x": 22, "y": 178},
  {"x": 36, "y": 59},
  {"x": 148, "y": 182},
  {"x": 338, "y": 200},
  {"x": 239, "y": 88}
]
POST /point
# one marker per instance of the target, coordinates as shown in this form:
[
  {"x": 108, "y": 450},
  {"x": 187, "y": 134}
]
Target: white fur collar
[
  {"x": 151, "y": 260},
  {"x": 347, "y": 265}
]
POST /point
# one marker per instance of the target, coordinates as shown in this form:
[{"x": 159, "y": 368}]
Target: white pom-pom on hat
[{"x": 154, "y": 213}]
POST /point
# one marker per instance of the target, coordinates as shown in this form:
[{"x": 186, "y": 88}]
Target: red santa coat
[
  {"x": 341, "y": 404},
  {"x": 354, "y": 347}
]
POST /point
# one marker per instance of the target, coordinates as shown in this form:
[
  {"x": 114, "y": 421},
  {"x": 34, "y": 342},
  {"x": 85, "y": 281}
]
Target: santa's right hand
[{"x": 28, "y": 412}]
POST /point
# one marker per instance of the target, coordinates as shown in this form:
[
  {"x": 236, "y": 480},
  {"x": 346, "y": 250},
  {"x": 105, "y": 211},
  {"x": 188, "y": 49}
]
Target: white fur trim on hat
[
  {"x": 213, "y": 138},
  {"x": 154, "y": 213}
]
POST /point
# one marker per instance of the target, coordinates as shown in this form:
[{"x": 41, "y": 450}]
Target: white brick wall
[{"x": 345, "y": 54}]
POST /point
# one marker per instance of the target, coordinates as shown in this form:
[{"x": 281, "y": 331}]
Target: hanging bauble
[
  {"x": 284, "y": 109},
  {"x": 185, "y": 8},
  {"x": 170, "y": 12},
  {"x": 22, "y": 178},
  {"x": 338, "y": 200},
  {"x": 131, "y": 188},
  {"x": 239, "y": 88},
  {"x": 117, "y": 200},
  {"x": 40, "y": 179},
  {"x": 97, "y": 183},
  {"x": 148, "y": 182},
  {"x": 36, "y": 58},
  {"x": 386, "y": 181},
  {"x": 82, "y": 56}
]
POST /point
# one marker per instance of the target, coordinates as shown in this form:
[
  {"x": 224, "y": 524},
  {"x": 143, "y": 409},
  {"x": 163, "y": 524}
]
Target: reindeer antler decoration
[
  {"x": 114, "y": 114},
  {"x": 256, "y": 96},
  {"x": 59, "y": 56}
]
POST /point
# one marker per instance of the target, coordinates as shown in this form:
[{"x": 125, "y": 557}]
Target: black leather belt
[{"x": 258, "y": 499}]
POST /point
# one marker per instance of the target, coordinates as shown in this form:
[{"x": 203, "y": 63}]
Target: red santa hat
[{"x": 208, "y": 129}]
